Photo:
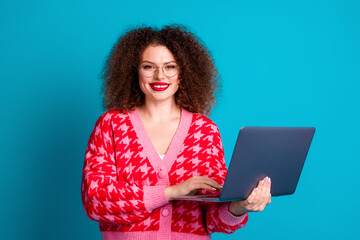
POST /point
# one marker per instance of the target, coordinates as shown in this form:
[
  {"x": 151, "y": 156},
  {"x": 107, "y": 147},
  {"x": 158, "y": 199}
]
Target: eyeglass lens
[{"x": 170, "y": 69}]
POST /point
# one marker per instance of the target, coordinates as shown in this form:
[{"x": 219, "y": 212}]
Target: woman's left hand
[{"x": 257, "y": 200}]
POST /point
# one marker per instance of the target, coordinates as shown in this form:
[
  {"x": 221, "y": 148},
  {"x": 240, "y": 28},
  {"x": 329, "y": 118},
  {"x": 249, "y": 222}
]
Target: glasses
[{"x": 169, "y": 69}]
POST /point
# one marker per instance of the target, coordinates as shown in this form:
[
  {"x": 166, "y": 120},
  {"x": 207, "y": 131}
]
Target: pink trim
[
  {"x": 107, "y": 235},
  {"x": 175, "y": 145},
  {"x": 162, "y": 167},
  {"x": 165, "y": 222},
  {"x": 154, "y": 197},
  {"x": 144, "y": 139},
  {"x": 229, "y": 219},
  {"x": 178, "y": 139}
]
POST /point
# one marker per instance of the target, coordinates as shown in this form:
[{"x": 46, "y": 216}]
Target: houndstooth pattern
[{"x": 116, "y": 168}]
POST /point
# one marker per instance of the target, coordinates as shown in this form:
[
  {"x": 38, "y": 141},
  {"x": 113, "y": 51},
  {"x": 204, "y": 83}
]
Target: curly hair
[{"x": 199, "y": 79}]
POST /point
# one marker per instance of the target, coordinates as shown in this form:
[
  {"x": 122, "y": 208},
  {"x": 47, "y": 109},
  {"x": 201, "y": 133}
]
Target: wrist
[
  {"x": 236, "y": 209},
  {"x": 169, "y": 193}
]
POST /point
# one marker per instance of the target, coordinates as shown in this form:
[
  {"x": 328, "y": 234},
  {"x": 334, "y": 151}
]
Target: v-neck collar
[{"x": 175, "y": 145}]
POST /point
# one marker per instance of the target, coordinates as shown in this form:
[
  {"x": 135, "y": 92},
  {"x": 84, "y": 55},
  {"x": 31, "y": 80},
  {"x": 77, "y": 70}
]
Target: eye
[
  {"x": 147, "y": 67},
  {"x": 170, "y": 66}
]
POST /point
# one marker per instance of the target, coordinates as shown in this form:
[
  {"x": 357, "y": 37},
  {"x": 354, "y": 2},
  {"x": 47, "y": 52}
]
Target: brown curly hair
[{"x": 199, "y": 79}]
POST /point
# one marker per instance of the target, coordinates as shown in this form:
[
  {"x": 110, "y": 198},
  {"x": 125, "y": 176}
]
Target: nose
[{"x": 159, "y": 73}]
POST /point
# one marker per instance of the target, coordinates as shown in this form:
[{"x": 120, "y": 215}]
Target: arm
[
  {"x": 217, "y": 215},
  {"x": 106, "y": 197},
  {"x": 233, "y": 215}
]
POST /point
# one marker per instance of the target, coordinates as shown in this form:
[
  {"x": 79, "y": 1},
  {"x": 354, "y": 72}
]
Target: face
[{"x": 158, "y": 87}]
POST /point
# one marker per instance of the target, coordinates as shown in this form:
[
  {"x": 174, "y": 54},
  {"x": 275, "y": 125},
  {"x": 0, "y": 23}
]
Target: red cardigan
[{"x": 124, "y": 179}]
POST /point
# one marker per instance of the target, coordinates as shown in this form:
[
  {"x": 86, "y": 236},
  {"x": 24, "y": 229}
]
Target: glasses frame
[{"x": 162, "y": 67}]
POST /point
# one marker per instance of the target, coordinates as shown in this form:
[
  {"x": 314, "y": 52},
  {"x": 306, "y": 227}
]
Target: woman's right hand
[{"x": 191, "y": 186}]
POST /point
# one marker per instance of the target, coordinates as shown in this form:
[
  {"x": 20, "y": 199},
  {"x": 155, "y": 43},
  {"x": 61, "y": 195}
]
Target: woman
[{"x": 154, "y": 144}]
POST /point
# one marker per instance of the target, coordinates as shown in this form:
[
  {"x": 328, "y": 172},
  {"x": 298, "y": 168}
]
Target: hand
[
  {"x": 191, "y": 186},
  {"x": 257, "y": 200}
]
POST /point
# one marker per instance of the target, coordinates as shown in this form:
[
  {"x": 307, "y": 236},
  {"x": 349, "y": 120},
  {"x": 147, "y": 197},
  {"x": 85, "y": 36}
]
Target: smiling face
[{"x": 158, "y": 87}]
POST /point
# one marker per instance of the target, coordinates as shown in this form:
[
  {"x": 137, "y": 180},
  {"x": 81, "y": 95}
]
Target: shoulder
[
  {"x": 204, "y": 123},
  {"x": 111, "y": 116},
  {"x": 205, "y": 130}
]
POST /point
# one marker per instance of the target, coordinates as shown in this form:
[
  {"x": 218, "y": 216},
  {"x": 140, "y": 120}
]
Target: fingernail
[
  {"x": 267, "y": 179},
  {"x": 220, "y": 186},
  {"x": 256, "y": 189},
  {"x": 261, "y": 183}
]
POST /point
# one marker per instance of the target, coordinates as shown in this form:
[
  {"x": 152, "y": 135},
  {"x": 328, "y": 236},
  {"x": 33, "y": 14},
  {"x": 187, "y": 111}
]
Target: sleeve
[
  {"x": 105, "y": 196},
  {"x": 218, "y": 217}
]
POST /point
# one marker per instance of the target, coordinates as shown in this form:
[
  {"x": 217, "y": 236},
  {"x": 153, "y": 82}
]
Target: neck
[{"x": 159, "y": 111}]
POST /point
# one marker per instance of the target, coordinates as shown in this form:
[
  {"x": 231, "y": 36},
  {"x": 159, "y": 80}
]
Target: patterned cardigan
[{"x": 124, "y": 179}]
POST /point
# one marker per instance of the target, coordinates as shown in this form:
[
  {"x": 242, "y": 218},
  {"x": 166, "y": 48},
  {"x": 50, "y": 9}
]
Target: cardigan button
[
  {"x": 161, "y": 173},
  {"x": 165, "y": 213}
]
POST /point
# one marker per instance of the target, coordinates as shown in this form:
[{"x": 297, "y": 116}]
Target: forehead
[{"x": 157, "y": 54}]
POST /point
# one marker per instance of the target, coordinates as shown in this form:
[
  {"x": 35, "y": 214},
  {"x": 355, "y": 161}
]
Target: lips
[{"x": 159, "y": 86}]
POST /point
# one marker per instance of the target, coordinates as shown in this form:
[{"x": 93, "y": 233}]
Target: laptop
[{"x": 276, "y": 152}]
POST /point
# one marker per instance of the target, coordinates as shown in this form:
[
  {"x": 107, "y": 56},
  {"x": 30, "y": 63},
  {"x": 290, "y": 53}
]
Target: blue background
[{"x": 283, "y": 63}]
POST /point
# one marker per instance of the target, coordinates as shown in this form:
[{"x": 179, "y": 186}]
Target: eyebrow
[{"x": 155, "y": 64}]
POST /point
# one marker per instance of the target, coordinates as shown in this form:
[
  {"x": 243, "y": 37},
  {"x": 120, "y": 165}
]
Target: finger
[
  {"x": 202, "y": 186},
  {"x": 210, "y": 182},
  {"x": 268, "y": 189},
  {"x": 270, "y": 186},
  {"x": 196, "y": 183},
  {"x": 265, "y": 194},
  {"x": 260, "y": 187},
  {"x": 252, "y": 196},
  {"x": 260, "y": 198},
  {"x": 260, "y": 183},
  {"x": 254, "y": 199},
  {"x": 269, "y": 196},
  {"x": 215, "y": 184},
  {"x": 265, "y": 190},
  {"x": 191, "y": 185}
]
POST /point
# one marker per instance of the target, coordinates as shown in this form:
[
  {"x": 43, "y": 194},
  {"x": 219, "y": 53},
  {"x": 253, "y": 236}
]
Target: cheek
[
  {"x": 142, "y": 80},
  {"x": 176, "y": 82},
  {"x": 142, "y": 83},
  {"x": 177, "y": 85}
]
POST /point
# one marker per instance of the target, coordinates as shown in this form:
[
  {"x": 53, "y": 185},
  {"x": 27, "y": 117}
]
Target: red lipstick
[{"x": 159, "y": 86}]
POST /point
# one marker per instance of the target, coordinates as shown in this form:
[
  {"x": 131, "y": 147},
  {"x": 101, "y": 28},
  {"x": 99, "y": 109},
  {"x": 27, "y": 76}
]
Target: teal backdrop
[{"x": 283, "y": 63}]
